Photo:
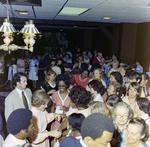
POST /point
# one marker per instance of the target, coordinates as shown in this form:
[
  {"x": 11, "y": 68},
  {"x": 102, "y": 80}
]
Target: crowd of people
[{"x": 85, "y": 100}]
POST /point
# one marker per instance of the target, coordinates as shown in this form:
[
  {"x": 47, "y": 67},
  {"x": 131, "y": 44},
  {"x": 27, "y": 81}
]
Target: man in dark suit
[{"x": 20, "y": 97}]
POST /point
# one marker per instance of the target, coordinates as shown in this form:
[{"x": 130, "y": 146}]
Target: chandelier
[{"x": 29, "y": 30}]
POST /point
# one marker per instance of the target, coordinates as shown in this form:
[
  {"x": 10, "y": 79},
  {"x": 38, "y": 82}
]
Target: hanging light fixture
[{"x": 29, "y": 30}]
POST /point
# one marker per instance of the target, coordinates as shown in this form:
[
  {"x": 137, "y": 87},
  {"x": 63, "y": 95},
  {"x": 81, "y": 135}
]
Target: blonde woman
[{"x": 49, "y": 84}]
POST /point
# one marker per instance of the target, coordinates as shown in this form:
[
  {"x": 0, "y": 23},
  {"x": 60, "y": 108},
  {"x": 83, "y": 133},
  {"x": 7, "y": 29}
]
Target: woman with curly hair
[
  {"x": 61, "y": 99},
  {"x": 49, "y": 84},
  {"x": 80, "y": 99}
]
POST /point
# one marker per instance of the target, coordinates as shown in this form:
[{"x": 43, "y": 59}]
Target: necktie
[{"x": 25, "y": 100}]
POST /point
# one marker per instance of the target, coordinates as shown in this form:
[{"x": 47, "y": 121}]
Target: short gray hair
[{"x": 122, "y": 105}]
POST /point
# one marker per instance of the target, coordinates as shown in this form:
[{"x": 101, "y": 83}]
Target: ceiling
[{"x": 127, "y": 11}]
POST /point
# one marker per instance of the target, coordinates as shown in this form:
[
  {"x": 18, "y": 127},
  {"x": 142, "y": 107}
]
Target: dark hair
[
  {"x": 136, "y": 75},
  {"x": 16, "y": 77},
  {"x": 19, "y": 120},
  {"x": 144, "y": 104},
  {"x": 128, "y": 72},
  {"x": 68, "y": 55},
  {"x": 140, "y": 122},
  {"x": 136, "y": 86},
  {"x": 76, "y": 70},
  {"x": 118, "y": 77},
  {"x": 113, "y": 99},
  {"x": 62, "y": 77},
  {"x": 71, "y": 78},
  {"x": 116, "y": 55},
  {"x": 95, "y": 65},
  {"x": 121, "y": 91},
  {"x": 68, "y": 65},
  {"x": 76, "y": 61},
  {"x": 80, "y": 96},
  {"x": 75, "y": 120},
  {"x": 97, "y": 86},
  {"x": 84, "y": 66},
  {"x": 95, "y": 124},
  {"x": 57, "y": 59},
  {"x": 146, "y": 77},
  {"x": 85, "y": 70}
]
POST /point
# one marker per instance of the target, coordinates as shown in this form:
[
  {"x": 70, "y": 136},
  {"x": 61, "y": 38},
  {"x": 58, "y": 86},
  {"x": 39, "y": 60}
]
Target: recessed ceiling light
[
  {"x": 107, "y": 18},
  {"x": 61, "y": 30},
  {"x": 23, "y": 13},
  {"x": 75, "y": 26},
  {"x": 72, "y": 11}
]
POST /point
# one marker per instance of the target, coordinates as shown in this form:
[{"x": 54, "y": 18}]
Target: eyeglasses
[
  {"x": 121, "y": 116},
  {"x": 62, "y": 86}
]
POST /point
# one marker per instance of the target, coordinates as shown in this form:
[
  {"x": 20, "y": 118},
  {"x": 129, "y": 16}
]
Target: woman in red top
[{"x": 82, "y": 79}]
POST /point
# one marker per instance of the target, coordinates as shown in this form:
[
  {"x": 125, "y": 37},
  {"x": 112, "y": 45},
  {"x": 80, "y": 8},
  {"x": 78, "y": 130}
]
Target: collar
[
  {"x": 17, "y": 141},
  {"x": 19, "y": 91},
  {"x": 82, "y": 143}
]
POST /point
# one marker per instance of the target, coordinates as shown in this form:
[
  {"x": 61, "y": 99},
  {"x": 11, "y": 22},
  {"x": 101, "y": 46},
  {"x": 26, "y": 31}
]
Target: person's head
[
  {"x": 33, "y": 57},
  {"x": 95, "y": 52},
  {"x": 84, "y": 53},
  {"x": 20, "y": 80},
  {"x": 20, "y": 123},
  {"x": 142, "y": 106},
  {"x": 71, "y": 78},
  {"x": 114, "y": 56},
  {"x": 145, "y": 79},
  {"x": 50, "y": 76},
  {"x": 84, "y": 73},
  {"x": 99, "y": 107},
  {"x": 99, "y": 55},
  {"x": 137, "y": 62},
  {"x": 40, "y": 99},
  {"x": 116, "y": 76},
  {"x": 122, "y": 71},
  {"x": 115, "y": 64},
  {"x": 122, "y": 112},
  {"x": 94, "y": 66},
  {"x": 76, "y": 63},
  {"x": 68, "y": 66},
  {"x": 80, "y": 97},
  {"x": 59, "y": 61},
  {"x": 75, "y": 121},
  {"x": 98, "y": 74},
  {"x": 76, "y": 70},
  {"x": 134, "y": 90},
  {"x": 96, "y": 86},
  {"x": 113, "y": 88},
  {"x": 128, "y": 72},
  {"x": 67, "y": 56},
  {"x": 135, "y": 77},
  {"x": 62, "y": 82},
  {"x": 84, "y": 66},
  {"x": 136, "y": 131},
  {"x": 53, "y": 62},
  {"x": 87, "y": 61},
  {"x": 80, "y": 58},
  {"x": 112, "y": 100},
  {"x": 97, "y": 130}
]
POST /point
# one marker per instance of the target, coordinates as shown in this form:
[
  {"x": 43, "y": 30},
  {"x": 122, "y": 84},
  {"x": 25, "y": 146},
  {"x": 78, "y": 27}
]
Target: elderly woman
[
  {"x": 136, "y": 131},
  {"x": 39, "y": 102},
  {"x": 121, "y": 115},
  {"x": 142, "y": 109},
  {"x": 133, "y": 92}
]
